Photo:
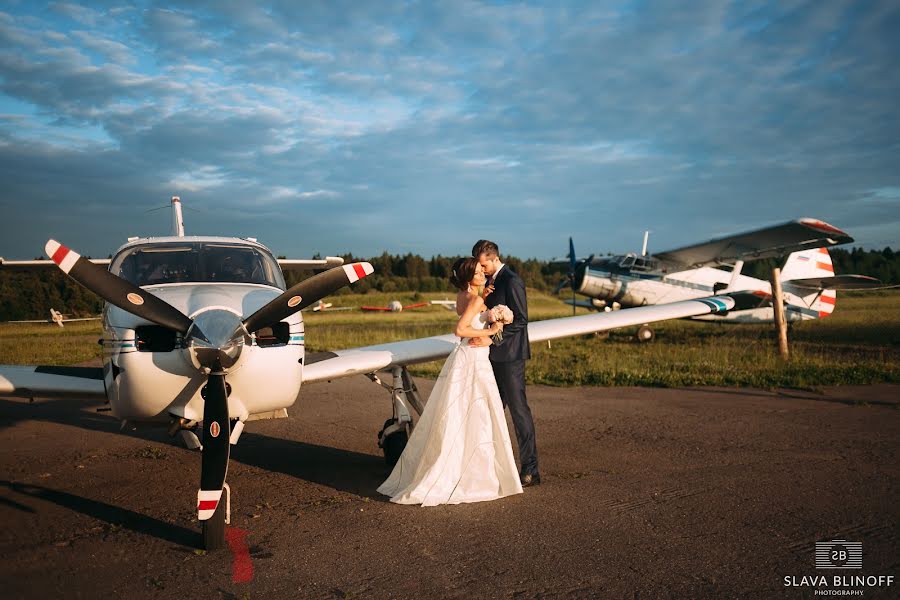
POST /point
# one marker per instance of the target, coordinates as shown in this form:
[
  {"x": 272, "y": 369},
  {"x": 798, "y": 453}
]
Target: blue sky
[{"x": 421, "y": 127}]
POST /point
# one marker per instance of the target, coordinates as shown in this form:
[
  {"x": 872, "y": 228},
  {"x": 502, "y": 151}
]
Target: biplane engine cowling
[{"x": 600, "y": 287}]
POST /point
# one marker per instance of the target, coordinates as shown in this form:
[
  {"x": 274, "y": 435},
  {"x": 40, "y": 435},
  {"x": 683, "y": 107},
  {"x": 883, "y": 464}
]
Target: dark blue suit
[{"x": 508, "y": 360}]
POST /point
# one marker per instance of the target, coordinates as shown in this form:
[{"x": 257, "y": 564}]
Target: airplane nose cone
[{"x": 216, "y": 340}]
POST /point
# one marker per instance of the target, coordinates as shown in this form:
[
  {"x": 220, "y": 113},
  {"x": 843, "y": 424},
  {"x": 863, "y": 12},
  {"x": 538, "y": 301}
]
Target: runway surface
[{"x": 647, "y": 493}]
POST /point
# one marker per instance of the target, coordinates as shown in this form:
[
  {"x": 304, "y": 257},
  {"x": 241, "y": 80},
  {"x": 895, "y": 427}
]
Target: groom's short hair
[{"x": 485, "y": 247}]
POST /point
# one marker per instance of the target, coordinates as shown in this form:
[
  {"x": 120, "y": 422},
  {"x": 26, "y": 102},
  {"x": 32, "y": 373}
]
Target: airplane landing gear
[
  {"x": 645, "y": 334},
  {"x": 405, "y": 398},
  {"x": 392, "y": 440}
]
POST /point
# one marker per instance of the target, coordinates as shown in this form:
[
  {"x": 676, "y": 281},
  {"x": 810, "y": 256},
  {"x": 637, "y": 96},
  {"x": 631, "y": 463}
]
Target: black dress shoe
[{"x": 529, "y": 480}]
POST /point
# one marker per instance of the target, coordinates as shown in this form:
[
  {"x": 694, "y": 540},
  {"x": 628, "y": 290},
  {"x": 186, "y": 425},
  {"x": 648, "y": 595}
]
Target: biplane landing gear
[
  {"x": 645, "y": 334},
  {"x": 396, "y": 431}
]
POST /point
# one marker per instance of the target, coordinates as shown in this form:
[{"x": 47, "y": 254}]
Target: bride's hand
[{"x": 495, "y": 327}]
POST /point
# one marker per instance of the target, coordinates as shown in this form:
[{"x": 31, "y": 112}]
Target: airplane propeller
[
  {"x": 215, "y": 339},
  {"x": 574, "y": 265}
]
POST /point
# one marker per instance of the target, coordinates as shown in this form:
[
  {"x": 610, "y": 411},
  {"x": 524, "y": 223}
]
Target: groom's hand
[{"x": 480, "y": 342}]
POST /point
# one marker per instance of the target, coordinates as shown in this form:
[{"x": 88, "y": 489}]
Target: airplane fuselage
[
  {"x": 148, "y": 373},
  {"x": 630, "y": 281}
]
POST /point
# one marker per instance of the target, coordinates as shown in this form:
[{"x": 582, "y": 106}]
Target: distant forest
[{"x": 31, "y": 294}]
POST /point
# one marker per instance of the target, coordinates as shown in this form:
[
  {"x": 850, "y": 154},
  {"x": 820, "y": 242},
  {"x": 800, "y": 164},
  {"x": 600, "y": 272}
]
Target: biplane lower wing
[{"x": 368, "y": 359}]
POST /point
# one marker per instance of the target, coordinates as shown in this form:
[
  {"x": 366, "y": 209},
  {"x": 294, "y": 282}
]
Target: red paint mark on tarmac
[{"x": 241, "y": 567}]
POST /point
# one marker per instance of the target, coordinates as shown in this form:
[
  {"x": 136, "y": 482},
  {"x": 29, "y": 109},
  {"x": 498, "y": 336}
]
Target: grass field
[{"x": 859, "y": 344}]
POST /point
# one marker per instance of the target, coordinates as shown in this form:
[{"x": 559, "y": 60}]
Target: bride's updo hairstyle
[{"x": 463, "y": 273}]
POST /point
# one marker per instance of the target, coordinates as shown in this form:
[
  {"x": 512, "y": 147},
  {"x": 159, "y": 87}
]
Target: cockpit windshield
[{"x": 203, "y": 262}]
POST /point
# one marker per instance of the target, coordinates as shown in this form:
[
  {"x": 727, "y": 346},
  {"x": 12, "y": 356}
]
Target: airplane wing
[
  {"x": 448, "y": 304},
  {"x": 368, "y": 359},
  {"x": 580, "y": 303},
  {"x": 52, "y": 382},
  {"x": 29, "y": 264},
  {"x": 287, "y": 264},
  {"x": 768, "y": 242},
  {"x": 296, "y": 264},
  {"x": 417, "y": 305}
]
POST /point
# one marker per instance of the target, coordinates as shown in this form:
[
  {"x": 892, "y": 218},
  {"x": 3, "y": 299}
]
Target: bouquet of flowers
[{"x": 500, "y": 314}]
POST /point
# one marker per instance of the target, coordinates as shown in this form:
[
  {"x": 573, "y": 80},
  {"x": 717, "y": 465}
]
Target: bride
[{"x": 459, "y": 450}]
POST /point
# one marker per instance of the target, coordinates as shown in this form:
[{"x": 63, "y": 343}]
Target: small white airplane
[
  {"x": 393, "y": 306},
  {"x": 58, "y": 318},
  {"x": 807, "y": 278},
  {"x": 321, "y": 306},
  {"x": 448, "y": 304},
  {"x": 200, "y": 335}
]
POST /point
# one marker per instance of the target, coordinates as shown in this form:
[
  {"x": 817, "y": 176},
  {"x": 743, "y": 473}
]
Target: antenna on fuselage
[
  {"x": 177, "y": 220},
  {"x": 644, "y": 249}
]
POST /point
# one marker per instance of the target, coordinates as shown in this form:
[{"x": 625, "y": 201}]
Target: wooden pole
[{"x": 778, "y": 306}]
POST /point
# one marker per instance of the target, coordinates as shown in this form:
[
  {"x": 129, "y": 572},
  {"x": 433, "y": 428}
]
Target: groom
[{"x": 508, "y": 356}]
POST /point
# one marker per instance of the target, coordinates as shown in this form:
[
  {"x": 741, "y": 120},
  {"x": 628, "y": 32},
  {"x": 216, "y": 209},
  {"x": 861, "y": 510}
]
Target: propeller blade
[
  {"x": 307, "y": 292},
  {"x": 572, "y": 259},
  {"x": 116, "y": 290},
  {"x": 562, "y": 283},
  {"x": 216, "y": 446}
]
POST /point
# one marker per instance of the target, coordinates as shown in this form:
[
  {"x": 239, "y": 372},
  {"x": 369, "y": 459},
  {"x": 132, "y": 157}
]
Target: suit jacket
[{"x": 509, "y": 289}]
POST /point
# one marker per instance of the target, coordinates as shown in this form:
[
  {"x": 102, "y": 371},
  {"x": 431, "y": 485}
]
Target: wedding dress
[{"x": 459, "y": 450}]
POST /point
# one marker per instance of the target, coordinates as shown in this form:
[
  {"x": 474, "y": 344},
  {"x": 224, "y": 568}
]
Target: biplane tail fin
[{"x": 808, "y": 266}]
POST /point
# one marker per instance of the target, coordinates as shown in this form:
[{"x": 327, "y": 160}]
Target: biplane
[{"x": 807, "y": 277}]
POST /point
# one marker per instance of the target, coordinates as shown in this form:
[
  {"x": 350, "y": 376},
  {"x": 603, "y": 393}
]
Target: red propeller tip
[
  {"x": 357, "y": 271},
  {"x": 61, "y": 255}
]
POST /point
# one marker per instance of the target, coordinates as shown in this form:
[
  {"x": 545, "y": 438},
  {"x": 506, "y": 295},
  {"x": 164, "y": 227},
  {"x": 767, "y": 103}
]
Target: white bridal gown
[{"x": 459, "y": 450}]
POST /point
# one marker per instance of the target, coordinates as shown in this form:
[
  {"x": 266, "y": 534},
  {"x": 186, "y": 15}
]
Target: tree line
[{"x": 31, "y": 294}]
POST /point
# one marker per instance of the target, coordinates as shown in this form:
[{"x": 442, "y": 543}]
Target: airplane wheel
[
  {"x": 645, "y": 334},
  {"x": 214, "y": 528},
  {"x": 393, "y": 444}
]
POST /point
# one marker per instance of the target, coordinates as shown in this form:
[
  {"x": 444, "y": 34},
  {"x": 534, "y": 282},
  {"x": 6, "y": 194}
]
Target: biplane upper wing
[
  {"x": 768, "y": 242},
  {"x": 368, "y": 359}
]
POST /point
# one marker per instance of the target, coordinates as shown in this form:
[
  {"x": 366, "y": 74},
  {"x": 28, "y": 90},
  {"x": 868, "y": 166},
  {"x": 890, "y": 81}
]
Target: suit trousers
[{"x": 510, "y": 378}]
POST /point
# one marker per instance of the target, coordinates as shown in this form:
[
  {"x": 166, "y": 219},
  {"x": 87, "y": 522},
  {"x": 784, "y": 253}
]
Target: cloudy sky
[{"x": 420, "y": 127}]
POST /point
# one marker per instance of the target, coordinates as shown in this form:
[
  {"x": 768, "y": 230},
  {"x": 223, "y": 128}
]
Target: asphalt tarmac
[{"x": 646, "y": 493}]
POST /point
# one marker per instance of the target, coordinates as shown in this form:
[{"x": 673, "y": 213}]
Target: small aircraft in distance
[
  {"x": 807, "y": 277},
  {"x": 393, "y": 306},
  {"x": 321, "y": 306},
  {"x": 58, "y": 318},
  {"x": 448, "y": 304},
  {"x": 200, "y": 334}
]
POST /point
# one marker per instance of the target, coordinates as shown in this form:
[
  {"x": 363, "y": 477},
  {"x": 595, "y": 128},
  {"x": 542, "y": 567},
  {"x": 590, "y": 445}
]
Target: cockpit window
[{"x": 197, "y": 262}]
